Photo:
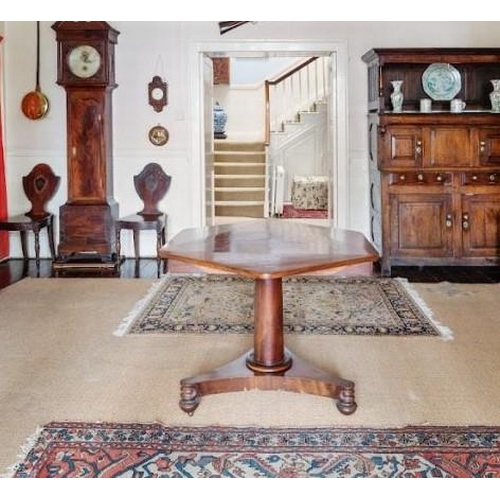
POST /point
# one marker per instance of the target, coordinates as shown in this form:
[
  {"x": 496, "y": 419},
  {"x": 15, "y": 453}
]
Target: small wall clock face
[{"x": 84, "y": 61}]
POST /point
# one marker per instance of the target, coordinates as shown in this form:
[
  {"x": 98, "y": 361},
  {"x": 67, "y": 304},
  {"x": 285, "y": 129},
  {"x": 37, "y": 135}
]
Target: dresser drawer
[
  {"x": 410, "y": 178},
  {"x": 480, "y": 178}
]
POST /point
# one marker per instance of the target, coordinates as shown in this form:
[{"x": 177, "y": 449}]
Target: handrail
[
  {"x": 292, "y": 71},
  {"x": 276, "y": 81}
]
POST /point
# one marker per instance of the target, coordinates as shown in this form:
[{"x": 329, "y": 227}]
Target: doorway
[{"x": 202, "y": 150}]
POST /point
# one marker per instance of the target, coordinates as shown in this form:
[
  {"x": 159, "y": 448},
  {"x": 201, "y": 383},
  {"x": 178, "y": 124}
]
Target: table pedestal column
[{"x": 268, "y": 354}]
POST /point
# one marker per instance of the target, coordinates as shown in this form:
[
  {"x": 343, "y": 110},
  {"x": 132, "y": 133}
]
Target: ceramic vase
[
  {"x": 495, "y": 96},
  {"x": 220, "y": 120},
  {"x": 397, "y": 96}
]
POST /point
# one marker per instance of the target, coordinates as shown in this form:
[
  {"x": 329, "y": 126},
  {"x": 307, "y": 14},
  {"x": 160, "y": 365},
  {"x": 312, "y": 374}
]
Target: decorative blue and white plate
[{"x": 441, "y": 81}]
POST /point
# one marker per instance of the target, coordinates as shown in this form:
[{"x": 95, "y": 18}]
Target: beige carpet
[{"x": 60, "y": 361}]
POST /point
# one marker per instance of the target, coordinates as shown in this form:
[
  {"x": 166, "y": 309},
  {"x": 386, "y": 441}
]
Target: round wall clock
[
  {"x": 158, "y": 135},
  {"x": 157, "y": 93},
  {"x": 84, "y": 61}
]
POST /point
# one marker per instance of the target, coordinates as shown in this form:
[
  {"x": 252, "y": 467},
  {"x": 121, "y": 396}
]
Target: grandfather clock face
[
  {"x": 86, "y": 71},
  {"x": 84, "y": 61}
]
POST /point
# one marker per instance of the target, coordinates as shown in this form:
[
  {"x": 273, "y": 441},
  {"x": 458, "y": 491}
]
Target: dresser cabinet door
[
  {"x": 401, "y": 147},
  {"x": 421, "y": 225},
  {"x": 480, "y": 221},
  {"x": 489, "y": 146},
  {"x": 449, "y": 147}
]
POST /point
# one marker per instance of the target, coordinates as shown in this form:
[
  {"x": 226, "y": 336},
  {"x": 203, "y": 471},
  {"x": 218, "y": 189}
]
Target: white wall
[
  {"x": 139, "y": 45},
  {"x": 254, "y": 70},
  {"x": 244, "y": 98},
  {"x": 245, "y": 108}
]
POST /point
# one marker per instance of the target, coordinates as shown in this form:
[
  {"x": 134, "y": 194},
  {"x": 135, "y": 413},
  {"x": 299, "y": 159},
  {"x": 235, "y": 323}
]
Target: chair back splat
[
  {"x": 40, "y": 186},
  {"x": 152, "y": 184}
]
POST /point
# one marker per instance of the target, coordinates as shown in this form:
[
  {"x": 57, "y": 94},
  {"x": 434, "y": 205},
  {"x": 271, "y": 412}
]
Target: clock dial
[
  {"x": 157, "y": 94},
  {"x": 84, "y": 61}
]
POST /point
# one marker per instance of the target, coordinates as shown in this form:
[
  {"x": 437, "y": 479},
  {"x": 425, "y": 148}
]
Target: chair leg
[
  {"x": 24, "y": 245},
  {"x": 136, "y": 251},
  {"x": 37, "y": 251},
  {"x": 50, "y": 232},
  {"x": 118, "y": 245},
  {"x": 164, "y": 242},
  {"x": 159, "y": 240}
]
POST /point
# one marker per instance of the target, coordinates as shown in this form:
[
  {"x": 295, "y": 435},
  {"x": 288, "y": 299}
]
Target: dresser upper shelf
[{"x": 476, "y": 66}]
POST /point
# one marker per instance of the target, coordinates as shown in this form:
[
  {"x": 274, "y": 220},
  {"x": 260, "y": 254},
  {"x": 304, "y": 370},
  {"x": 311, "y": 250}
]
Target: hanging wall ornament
[
  {"x": 35, "y": 104},
  {"x": 157, "y": 93},
  {"x": 158, "y": 135}
]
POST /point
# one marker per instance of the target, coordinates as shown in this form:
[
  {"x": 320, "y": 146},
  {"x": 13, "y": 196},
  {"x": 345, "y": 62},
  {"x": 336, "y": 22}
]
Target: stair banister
[{"x": 283, "y": 78}]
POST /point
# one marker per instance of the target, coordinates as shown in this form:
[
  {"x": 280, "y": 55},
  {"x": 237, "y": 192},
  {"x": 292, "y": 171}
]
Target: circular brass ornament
[
  {"x": 158, "y": 135},
  {"x": 35, "y": 105}
]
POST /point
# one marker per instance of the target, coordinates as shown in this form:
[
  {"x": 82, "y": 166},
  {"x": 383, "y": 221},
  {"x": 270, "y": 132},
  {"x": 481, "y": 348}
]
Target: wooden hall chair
[
  {"x": 39, "y": 186},
  {"x": 152, "y": 184}
]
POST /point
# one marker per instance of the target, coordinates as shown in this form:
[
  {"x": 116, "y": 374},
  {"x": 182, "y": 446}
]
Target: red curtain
[{"x": 4, "y": 236}]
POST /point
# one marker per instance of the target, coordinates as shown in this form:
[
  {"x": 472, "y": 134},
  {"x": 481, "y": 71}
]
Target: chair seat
[
  {"x": 25, "y": 222},
  {"x": 137, "y": 223},
  {"x": 142, "y": 222}
]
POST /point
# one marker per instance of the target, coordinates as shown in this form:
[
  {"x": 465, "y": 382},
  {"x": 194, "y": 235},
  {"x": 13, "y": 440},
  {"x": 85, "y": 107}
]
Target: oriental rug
[
  {"x": 153, "y": 450},
  {"x": 325, "y": 305}
]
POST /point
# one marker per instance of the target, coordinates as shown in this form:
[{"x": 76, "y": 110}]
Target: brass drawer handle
[
  {"x": 482, "y": 147},
  {"x": 402, "y": 177},
  {"x": 465, "y": 222},
  {"x": 492, "y": 177},
  {"x": 449, "y": 220},
  {"x": 474, "y": 177},
  {"x": 420, "y": 177},
  {"x": 439, "y": 178}
]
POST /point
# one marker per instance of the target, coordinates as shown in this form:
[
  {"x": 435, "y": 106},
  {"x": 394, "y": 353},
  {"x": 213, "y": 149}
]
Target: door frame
[{"x": 338, "y": 125}]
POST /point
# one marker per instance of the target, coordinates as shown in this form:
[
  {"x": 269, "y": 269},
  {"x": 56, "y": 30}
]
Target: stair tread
[
  {"x": 239, "y": 149},
  {"x": 243, "y": 189},
  {"x": 238, "y": 203},
  {"x": 239, "y": 144},
  {"x": 238, "y": 164},
  {"x": 237, "y": 152},
  {"x": 240, "y": 176}
]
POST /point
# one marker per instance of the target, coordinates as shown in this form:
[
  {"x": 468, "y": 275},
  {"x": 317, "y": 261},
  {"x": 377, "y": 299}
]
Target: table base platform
[{"x": 293, "y": 375}]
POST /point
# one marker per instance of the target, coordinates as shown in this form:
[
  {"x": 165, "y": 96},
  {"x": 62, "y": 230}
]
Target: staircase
[
  {"x": 240, "y": 179},
  {"x": 304, "y": 121},
  {"x": 297, "y": 148}
]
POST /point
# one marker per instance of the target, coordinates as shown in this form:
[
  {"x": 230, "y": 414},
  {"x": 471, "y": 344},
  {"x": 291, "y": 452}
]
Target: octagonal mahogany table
[{"x": 268, "y": 250}]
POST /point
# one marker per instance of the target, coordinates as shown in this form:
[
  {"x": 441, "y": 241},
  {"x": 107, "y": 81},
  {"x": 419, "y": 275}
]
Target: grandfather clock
[{"x": 86, "y": 69}]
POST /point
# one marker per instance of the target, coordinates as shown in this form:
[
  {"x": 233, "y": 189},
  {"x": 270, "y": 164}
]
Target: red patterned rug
[
  {"x": 289, "y": 212},
  {"x": 153, "y": 450}
]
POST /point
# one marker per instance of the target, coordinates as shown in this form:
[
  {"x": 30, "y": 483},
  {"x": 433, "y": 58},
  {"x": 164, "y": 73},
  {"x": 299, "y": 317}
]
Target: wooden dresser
[{"x": 434, "y": 176}]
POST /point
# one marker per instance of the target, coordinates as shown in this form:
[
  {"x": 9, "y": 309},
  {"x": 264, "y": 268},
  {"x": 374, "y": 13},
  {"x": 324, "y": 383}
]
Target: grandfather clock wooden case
[
  {"x": 85, "y": 62},
  {"x": 434, "y": 176}
]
